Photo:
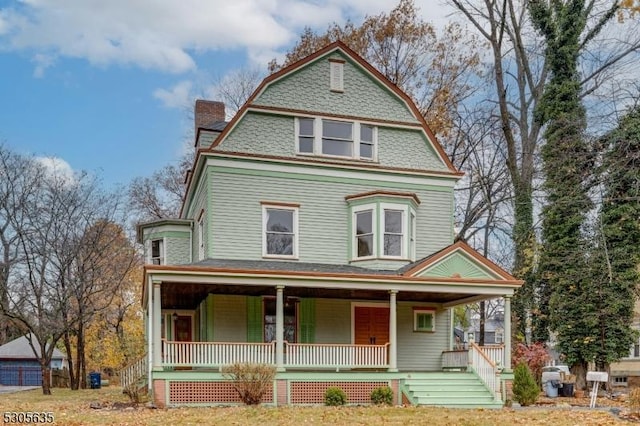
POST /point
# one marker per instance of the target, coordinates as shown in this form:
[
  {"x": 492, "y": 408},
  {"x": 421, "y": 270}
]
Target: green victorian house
[{"x": 316, "y": 235}]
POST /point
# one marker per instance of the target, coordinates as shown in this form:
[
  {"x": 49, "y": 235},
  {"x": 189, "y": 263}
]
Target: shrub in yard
[
  {"x": 334, "y": 396},
  {"x": 251, "y": 381},
  {"x": 525, "y": 388},
  {"x": 382, "y": 395},
  {"x": 534, "y": 355}
]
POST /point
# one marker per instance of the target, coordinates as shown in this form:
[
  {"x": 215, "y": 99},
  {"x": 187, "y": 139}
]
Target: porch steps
[{"x": 450, "y": 389}]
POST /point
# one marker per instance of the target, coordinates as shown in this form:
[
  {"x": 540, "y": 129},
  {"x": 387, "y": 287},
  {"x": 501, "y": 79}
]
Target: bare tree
[
  {"x": 235, "y": 88},
  {"x": 53, "y": 285}
]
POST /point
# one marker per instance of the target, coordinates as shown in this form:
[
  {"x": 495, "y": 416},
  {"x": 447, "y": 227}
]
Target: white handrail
[
  {"x": 133, "y": 372},
  {"x": 485, "y": 368},
  {"x": 336, "y": 355},
  {"x": 495, "y": 353},
  {"x": 216, "y": 354}
]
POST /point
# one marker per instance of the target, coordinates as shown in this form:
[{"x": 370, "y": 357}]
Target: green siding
[
  {"x": 254, "y": 319},
  {"x": 418, "y": 350},
  {"x": 269, "y": 134},
  {"x": 323, "y": 216},
  {"x": 307, "y": 321},
  {"x": 308, "y": 89},
  {"x": 458, "y": 263},
  {"x": 333, "y": 321},
  {"x": 230, "y": 318}
]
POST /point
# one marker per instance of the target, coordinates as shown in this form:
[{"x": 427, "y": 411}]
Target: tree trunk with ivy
[{"x": 565, "y": 292}]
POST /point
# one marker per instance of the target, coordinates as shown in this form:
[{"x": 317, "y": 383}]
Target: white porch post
[
  {"x": 156, "y": 327},
  {"x": 393, "y": 332},
  {"x": 280, "y": 328},
  {"x": 507, "y": 333}
]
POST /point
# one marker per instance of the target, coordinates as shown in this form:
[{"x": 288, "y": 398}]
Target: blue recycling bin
[{"x": 95, "y": 380}]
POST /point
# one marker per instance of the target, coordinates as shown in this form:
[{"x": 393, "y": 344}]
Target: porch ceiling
[{"x": 180, "y": 295}]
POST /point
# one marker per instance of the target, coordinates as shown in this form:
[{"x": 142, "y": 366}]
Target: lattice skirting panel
[
  {"x": 313, "y": 392},
  {"x": 186, "y": 392}
]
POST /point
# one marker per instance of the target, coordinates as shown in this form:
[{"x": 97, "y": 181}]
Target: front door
[
  {"x": 371, "y": 325},
  {"x": 183, "y": 328}
]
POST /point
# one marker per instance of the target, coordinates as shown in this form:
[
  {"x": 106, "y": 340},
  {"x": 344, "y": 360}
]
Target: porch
[{"x": 191, "y": 375}]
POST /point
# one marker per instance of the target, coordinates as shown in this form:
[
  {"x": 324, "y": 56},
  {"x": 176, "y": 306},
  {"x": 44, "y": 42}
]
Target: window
[
  {"x": 412, "y": 235},
  {"x": 499, "y": 336},
  {"x": 305, "y": 135},
  {"x": 424, "y": 320},
  {"x": 383, "y": 225},
  {"x": 393, "y": 232},
  {"x": 280, "y": 231},
  {"x": 157, "y": 252},
  {"x": 364, "y": 233},
  {"x": 201, "y": 236},
  {"x": 336, "y": 76},
  {"x": 336, "y": 138},
  {"x": 290, "y": 320},
  {"x": 366, "y": 141}
]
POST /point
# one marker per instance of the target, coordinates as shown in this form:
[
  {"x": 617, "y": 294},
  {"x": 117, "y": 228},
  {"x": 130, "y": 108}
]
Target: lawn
[{"x": 73, "y": 408}]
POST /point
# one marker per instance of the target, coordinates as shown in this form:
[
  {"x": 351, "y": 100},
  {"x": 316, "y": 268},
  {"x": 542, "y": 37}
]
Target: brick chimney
[{"x": 207, "y": 112}]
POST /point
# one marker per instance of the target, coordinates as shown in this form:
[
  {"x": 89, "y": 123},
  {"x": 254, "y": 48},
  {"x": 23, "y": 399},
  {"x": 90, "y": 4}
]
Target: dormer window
[{"x": 336, "y": 138}]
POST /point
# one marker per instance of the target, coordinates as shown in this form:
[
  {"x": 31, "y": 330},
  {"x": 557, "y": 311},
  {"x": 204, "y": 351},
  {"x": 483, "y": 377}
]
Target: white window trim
[
  {"x": 296, "y": 233},
  {"x": 201, "y": 236},
  {"x": 498, "y": 333},
  {"x": 374, "y": 228},
  {"x": 405, "y": 247},
  {"x": 336, "y": 76},
  {"x": 317, "y": 139},
  {"x": 150, "y": 257},
  {"x": 419, "y": 311}
]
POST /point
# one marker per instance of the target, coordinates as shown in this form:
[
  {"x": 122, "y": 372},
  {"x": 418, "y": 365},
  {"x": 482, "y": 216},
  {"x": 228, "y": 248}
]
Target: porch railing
[
  {"x": 133, "y": 372},
  {"x": 454, "y": 360},
  {"x": 495, "y": 353},
  {"x": 485, "y": 368},
  {"x": 216, "y": 354},
  {"x": 297, "y": 355},
  {"x": 336, "y": 356}
]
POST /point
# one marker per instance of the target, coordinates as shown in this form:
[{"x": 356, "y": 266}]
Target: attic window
[{"x": 337, "y": 75}]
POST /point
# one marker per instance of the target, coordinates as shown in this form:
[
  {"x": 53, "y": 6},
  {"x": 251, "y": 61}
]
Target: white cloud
[
  {"x": 57, "y": 168},
  {"x": 164, "y": 34},
  {"x": 179, "y": 96}
]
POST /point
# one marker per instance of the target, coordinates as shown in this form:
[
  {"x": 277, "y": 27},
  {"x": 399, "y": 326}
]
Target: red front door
[{"x": 371, "y": 325}]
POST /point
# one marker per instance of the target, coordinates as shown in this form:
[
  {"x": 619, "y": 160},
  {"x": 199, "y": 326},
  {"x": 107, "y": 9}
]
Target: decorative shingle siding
[
  {"x": 262, "y": 134},
  {"x": 308, "y": 89},
  {"x": 323, "y": 216},
  {"x": 268, "y": 134},
  {"x": 206, "y": 138},
  {"x": 178, "y": 250},
  {"x": 407, "y": 149}
]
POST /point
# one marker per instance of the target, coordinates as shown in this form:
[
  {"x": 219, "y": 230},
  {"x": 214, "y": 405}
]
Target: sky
[{"x": 105, "y": 86}]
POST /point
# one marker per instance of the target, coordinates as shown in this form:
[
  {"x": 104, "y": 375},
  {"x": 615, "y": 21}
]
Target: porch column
[
  {"x": 280, "y": 328},
  {"x": 393, "y": 332},
  {"x": 507, "y": 333},
  {"x": 157, "y": 327}
]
